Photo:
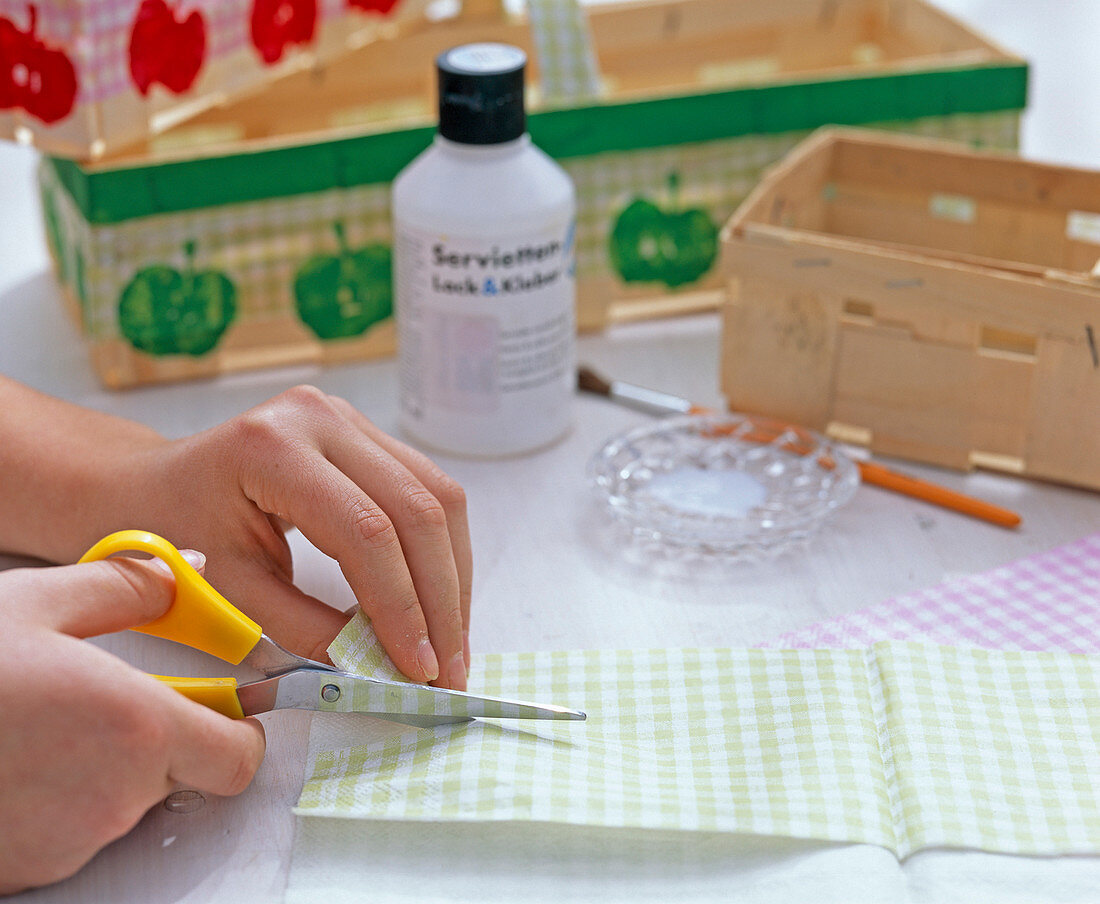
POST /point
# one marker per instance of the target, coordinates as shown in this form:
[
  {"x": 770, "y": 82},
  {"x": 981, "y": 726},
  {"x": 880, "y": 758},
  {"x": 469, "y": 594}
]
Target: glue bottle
[{"x": 483, "y": 270}]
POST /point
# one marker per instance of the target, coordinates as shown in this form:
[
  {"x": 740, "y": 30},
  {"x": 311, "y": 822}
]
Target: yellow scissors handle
[
  {"x": 218, "y": 694},
  {"x": 199, "y": 617}
]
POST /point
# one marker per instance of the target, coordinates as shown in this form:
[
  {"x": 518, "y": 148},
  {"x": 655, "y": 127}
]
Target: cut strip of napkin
[{"x": 902, "y": 745}]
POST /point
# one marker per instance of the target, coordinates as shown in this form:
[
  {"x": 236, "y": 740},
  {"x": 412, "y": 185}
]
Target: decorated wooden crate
[
  {"x": 83, "y": 77},
  {"x": 664, "y": 112},
  {"x": 927, "y": 301}
]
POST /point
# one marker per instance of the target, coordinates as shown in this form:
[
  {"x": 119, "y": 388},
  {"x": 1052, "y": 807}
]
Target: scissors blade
[{"x": 414, "y": 704}]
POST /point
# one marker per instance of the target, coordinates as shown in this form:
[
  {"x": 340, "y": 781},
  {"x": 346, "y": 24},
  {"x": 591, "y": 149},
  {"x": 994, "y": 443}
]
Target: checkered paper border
[
  {"x": 903, "y": 745},
  {"x": 563, "y": 41},
  {"x": 259, "y": 246},
  {"x": 1049, "y": 601}
]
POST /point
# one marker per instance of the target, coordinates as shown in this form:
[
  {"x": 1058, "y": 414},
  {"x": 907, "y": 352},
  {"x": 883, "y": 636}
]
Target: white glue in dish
[{"x": 724, "y": 484}]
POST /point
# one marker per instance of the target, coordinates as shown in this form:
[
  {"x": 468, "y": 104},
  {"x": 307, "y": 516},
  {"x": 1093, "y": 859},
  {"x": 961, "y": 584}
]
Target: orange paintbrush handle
[{"x": 937, "y": 495}]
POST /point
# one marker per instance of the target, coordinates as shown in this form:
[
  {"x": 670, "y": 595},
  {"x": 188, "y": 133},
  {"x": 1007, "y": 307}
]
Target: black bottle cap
[{"x": 481, "y": 93}]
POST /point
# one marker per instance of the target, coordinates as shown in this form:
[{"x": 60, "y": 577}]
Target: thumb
[{"x": 100, "y": 597}]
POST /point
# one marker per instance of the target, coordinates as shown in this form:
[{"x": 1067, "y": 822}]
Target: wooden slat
[
  {"x": 896, "y": 282},
  {"x": 954, "y": 169},
  {"x": 903, "y": 215},
  {"x": 790, "y": 192},
  {"x": 276, "y": 342},
  {"x": 779, "y": 349},
  {"x": 1062, "y": 441},
  {"x": 906, "y": 392},
  {"x": 934, "y": 29}
]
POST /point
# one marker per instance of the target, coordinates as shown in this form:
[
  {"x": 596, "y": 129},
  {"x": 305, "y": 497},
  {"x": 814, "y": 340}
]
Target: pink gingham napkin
[{"x": 1046, "y": 602}]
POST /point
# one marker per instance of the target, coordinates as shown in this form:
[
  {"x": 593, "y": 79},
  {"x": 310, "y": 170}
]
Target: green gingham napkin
[
  {"x": 358, "y": 649},
  {"x": 903, "y": 745},
  {"x": 567, "y": 63}
]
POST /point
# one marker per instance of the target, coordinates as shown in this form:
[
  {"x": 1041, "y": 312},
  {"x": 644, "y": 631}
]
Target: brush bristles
[{"x": 590, "y": 381}]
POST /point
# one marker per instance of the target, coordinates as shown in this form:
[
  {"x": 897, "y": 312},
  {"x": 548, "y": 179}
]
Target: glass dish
[{"x": 724, "y": 484}]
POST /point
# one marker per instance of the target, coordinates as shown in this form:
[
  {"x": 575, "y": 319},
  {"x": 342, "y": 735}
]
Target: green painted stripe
[{"x": 114, "y": 195}]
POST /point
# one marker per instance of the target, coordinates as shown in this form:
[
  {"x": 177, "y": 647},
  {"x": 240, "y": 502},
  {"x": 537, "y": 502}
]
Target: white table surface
[{"x": 546, "y": 576}]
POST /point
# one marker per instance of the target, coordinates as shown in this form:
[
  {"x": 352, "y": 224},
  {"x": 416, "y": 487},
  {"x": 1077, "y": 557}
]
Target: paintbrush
[{"x": 653, "y": 401}]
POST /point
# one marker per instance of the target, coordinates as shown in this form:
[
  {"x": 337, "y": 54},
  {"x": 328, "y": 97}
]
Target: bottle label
[{"x": 486, "y": 333}]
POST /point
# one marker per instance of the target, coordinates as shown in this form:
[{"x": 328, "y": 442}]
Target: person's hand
[
  {"x": 89, "y": 743},
  {"x": 393, "y": 520}
]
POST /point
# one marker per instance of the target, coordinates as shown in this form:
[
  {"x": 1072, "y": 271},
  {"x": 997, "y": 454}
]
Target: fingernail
[
  {"x": 458, "y": 673},
  {"x": 194, "y": 558},
  {"x": 425, "y": 656},
  {"x": 466, "y": 650}
]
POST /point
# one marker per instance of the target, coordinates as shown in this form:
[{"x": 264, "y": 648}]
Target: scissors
[{"x": 203, "y": 619}]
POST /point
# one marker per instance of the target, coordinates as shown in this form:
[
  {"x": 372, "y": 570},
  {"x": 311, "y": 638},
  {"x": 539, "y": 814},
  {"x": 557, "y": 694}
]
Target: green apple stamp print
[
  {"x": 340, "y": 296},
  {"x": 52, "y": 217},
  {"x": 165, "y": 312},
  {"x": 79, "y": 283},
  {"x": 672, "y": 246}
]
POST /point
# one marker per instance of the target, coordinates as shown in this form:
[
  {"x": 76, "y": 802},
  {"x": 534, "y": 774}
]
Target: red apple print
[
  {"x": 165, "y": 50},
  {"x": 11, "y": 52},
  {"x": 382, "y": 7},
  {"x": 34, "y": 76},
  {"x": 277, "y": 23}
]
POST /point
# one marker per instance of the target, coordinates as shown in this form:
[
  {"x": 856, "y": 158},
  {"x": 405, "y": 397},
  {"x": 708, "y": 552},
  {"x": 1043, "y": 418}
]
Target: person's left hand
[
  {"x": 393, "y": 520},
  {"x": 89, "y": 743}
]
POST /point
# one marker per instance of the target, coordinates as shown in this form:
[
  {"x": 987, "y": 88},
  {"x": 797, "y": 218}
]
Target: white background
[{"x": 547, "y": 577}]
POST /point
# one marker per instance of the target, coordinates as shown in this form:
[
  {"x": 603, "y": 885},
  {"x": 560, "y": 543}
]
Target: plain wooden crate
[
  {"x": 695, "y": 98},
  {"x": 925, "y": 300}
]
